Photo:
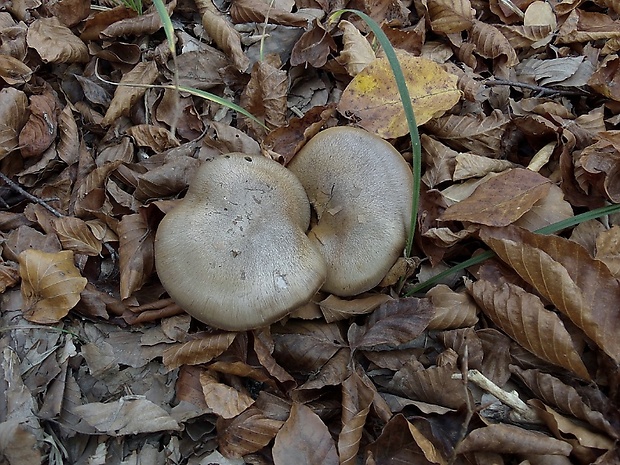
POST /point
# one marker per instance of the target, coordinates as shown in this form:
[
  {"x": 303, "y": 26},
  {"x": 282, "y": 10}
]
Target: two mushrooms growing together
[{"x": 236, "y": 252}]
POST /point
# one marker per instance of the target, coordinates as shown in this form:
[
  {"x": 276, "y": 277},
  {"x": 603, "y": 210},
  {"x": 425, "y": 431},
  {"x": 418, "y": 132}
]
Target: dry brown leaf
[
  {"x": 167, "y": 180},
  {"x": 125, "y": 96},
  {"x": 102, "y": 19},
  {"x": 51, "y": 285},
  {"x": 332, "y": 373},
  {"x": 74, "y": 234},
  {"x": 608, "y": 249},
  {"x": 469, "y": 165},
  {"x": 42, "y": 126},
  {"x": 144, "y": 24},
  {"x": 157, "y": 138},
  {"x": 438, "y": 159},
  {"x": 128, "y": 415},
  {"x": 482, "y": 136},
  {"x": 509, "y": 439},
  {"x": 356, "y": 52},
  {"x": 136, "y": 252},
  {"x": 604, "y": 79},
  {"x": 201, "y": 349},
  {"x": 13, "y": 116},
  {"x": 9, "y": 275},
  {"x": 265, "y": 95},
  {"x": 565, "y": 274},
  {"x": 223, "y": 34},
  {"x": 566, "y": 398},
  {"x": 552, "y": 208},
  {"x": 264, "y": 346},
  {"x": 56, "y": 43},
  {"x": 313, "y": 47},
  {"x": 14, "y": 71},
  {"x": 501, "y": 200},
  {"x": 490, "y": 43},
  {"x": 304, "y": 439},
  {"x": 247, "y": 11},
  {"x": 18, "y": 442},
  {"x": 335, "y": 308},
  {"x": 452, "y": 309},
  {"x": 373, "y": 99},
  {"x": 449, "y": 17},
  {"x": 392, "y": 324},
  {"x": 524, "y": 318},
  {"x": 246, "y": 433},
  {"x": 69, "y": 139},
  {"x": 582, "y": 26},
  {"x": 224, "y": 400}
]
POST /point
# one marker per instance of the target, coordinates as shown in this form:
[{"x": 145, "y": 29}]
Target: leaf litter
[{"x": 517, "y": 104}]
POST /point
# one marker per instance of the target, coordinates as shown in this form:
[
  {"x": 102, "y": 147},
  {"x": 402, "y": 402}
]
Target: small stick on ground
[{"x": 542, "y": 90}]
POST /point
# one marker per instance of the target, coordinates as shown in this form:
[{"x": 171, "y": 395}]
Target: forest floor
[{"x": 513, "y": 360}]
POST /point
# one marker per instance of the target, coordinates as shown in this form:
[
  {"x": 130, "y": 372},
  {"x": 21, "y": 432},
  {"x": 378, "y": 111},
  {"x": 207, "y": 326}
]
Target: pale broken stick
[{"x": 523, "y": 412}]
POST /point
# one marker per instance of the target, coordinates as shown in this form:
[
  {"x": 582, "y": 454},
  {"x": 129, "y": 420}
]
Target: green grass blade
[
  {"x": 166, "y": 23},
  {"x": 552, "y": 228},
  {"x": 407, "y": 107}
]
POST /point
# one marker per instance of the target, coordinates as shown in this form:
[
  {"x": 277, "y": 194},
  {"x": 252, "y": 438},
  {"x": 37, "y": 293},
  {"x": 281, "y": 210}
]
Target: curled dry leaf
[
  {"x": 68, "y": 145},
  {"x": 42, "y": 126},
  {"x": 392, "y": 324},
  {"x": 335, "y": 308},
  {"x": 223, "y": 34},
  {"x": 51, "y": 285},
  {"x": 313, "y": 47},
  {"x": 565, "y": 274},
  {"x": 56, "y": 43},
  {"x": 145, "y": 24},
  {"x": 246, "y": 433},
  {"x": 449, "y": 17},
  {"x": 247, "y": 11},
  {"x": 136, "y": 253},
  {"x": 304, "y": 439},
  {"x": 14, "y": 71},
  {"x": 357, "y": 52},
  {"x": 224, "y": 400},
  {"x": 197, "y": 351},
  {"x": 501, "y": 200},
  {"x": 524, "y": 318},
  {"x": 554, "y": 392},
  {"x": 157, "y": 138},
  {"x": 509, "y": 439},
  {"x": 372, "y": 96},
  {"x": 13, "y": 116},
  {"x": 452, "y": 309},
  {"x": 125, "y": 95},
  {"x": 490, "y": 43}
]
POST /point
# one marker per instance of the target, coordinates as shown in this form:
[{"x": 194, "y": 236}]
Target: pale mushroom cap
[
  {"x": 361, "y": 189},
  {"x": 234, "y": 253}
]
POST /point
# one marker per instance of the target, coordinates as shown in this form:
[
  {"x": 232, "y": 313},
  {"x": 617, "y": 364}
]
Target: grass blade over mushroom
[{"x": 408, "y": 109}]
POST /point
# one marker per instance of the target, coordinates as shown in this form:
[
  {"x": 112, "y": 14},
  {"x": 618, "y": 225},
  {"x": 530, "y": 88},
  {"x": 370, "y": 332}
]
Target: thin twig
[
  {"x": 542, "y": 90},
  {"x": 19, "y": 189}
]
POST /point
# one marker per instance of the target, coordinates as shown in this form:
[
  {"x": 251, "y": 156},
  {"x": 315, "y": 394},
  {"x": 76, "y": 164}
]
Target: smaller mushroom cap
[
  {"x": 234, "y": 253},
  {"x": 361, "y": 189}
]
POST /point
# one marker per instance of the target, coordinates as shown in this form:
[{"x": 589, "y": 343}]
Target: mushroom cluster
[{"x": 235, "y": 254}]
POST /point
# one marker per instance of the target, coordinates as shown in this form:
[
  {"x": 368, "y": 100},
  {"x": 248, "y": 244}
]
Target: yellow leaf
[
  {"x": 373, "y": 99},
  {"x": 51, "y": 285}
]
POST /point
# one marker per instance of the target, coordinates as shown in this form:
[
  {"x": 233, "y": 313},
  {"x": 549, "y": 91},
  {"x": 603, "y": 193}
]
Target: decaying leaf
[
  {"x": 51, "y": 285},
  {"x": 357, "y": 52},
  {"x": 55, "y": 43},
  {"x": 373, "y": 99},
  {"x": 136, "y": 253}
]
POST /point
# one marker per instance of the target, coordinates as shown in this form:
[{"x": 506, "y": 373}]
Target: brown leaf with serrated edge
[
  {"x": 313, "y": 47},
  {"x": 554, "y": 392},
  {"x": 42, "y": 126},
  {"x": 246, "y": 433},
  {"x": 524, "y": 318},
  {"x": 248, "y": 11},
  {"x": 136, "y": 253},
  {"x": 452, "y": 309},
  {"x": 147, "y": 23},
  {"x": 56, "y": 43},
  {"x": 448, "y": 16},
  {"x": 306, "y": 346},
  {"x": 356, "y": 401},
  {"x": 304, "y": 439},
  {"x": 265, "y": 95},
  {"x": 202, "y": 349},
  {"x": 51, "y": 285},
  {"x": 223, "y": 33},
  {"x": 392, "y": 324},
  {"x": 335, "y": 309},
  {"x": 500, "y": 200},
  {"x": 74, "y": 234},
  {"x": 509, "y": 439},
  {"x": 125, "y": 95},
  {"x": 490, "y": 43},
  {"x": 224, "y": 400},
  {"x": 565, "y": 274},
  {"x": 482, "y": 136}
]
